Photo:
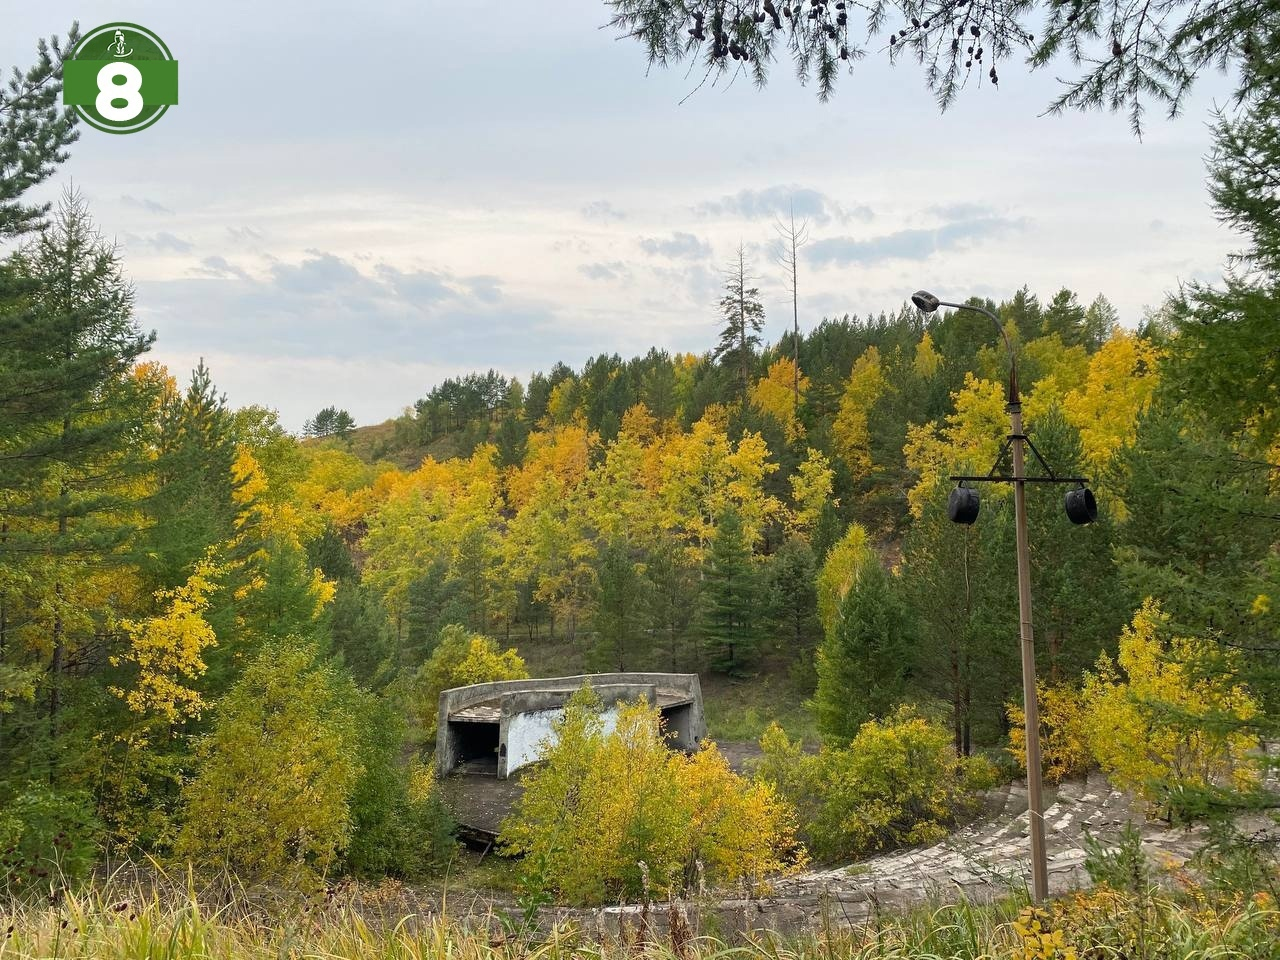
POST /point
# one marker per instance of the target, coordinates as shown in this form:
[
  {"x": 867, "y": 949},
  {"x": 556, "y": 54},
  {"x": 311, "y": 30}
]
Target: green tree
[
  {"x": 329, "y": 422},
  {"x": 399, "y": 824},
  {"x": 1065, "y": 317},
  {"x": 1100, "y": 321},
  {"x": 271, "y": 796},
  {"x": 72, "y": 457},
  {"x": 792, "y": 598},
  {"x": 1226, "y": 355},
  {"x": 865, "y": 665},
  {"x": 1080, "y": 604},
  {"x": 960, "y": 580},
  {"x": 620, "y": 605},
  {"x": 34, "y": 134},
  {"x": 673, "y": 602},
  {"x": 1130, "y": 57},
  {"x": 743, "y": 318},
  {"x": 193, "y": 505},
  {"x": 729, "y": 623}
]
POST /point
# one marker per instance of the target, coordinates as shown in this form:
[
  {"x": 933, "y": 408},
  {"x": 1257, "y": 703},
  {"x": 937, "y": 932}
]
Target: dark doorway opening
[
  {"x": 678, "y": 726},
  {"x": 477, "y": 745}
]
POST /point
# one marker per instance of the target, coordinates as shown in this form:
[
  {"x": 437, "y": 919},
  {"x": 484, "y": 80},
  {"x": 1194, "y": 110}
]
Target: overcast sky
[{"x": 353, "y": 201}]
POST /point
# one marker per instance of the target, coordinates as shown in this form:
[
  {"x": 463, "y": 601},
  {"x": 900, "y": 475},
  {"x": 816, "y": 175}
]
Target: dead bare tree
[{"x": 790, "y": 238}]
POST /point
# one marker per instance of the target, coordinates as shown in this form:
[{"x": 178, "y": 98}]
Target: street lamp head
[
  {"x": 925, "y": 301},
  {"x": 1081, "y": 506}
]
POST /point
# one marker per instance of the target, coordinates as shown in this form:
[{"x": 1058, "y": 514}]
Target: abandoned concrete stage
[{"x": 488, "y": 733}]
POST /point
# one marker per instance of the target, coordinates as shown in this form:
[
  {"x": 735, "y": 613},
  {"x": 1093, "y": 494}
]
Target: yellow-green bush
[
  {"x": 1064, "y": 743},
  {"x": 1170, "y": 711},
  {"x": 609, "y": 813},
  {"x": 459, "y": 659},
  {"x": 898, "y": 782}
]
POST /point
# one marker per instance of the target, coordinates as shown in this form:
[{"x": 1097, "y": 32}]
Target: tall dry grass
[{"x": 139, "y": 917}]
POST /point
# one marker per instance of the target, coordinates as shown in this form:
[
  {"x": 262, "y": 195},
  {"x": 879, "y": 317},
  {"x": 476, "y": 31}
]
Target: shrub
[
  {"x": 612, "y": 813},
  {"x": 400, "y": 826},
  {"x": 1064, "y": 745},
  {"x": 274, "y": 778},
  {"x": 898, "y": 782},
  {"x": 47, "y": 838},
  {"x": 1168, "y": 712},
  {"x": 459, "y": 659}
]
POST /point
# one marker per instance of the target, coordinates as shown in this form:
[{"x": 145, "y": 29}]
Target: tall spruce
[
  {"x": 730, "y": 625},
  {"x": 865, "y": 664},
  {"x": 619, "y": 618}
]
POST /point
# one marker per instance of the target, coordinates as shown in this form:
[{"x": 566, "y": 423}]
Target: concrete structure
[{"x": 496, "y": 728}]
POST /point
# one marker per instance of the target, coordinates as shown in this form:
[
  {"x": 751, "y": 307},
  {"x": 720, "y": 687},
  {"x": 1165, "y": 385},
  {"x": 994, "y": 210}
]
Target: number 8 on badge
[{"x": 121, "y": 78}]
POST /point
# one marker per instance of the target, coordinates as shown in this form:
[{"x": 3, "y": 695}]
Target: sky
[{"x": 352, "y": 202}]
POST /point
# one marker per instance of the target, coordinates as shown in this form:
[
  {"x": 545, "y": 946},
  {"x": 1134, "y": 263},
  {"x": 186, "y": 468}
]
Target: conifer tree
[
  {"x": 619, "y": 619},
  {"x": 35, "y": 131},
  {"x": 792, "y": 597},
  {"x": 865, "y": 664},
  {"x": 193, "y": 506},
  {"x": 1065, "y": 317},
  {"x": 673, "y": 602},
  {"x": 729, "y": 624},
  {"x": 743, "y": 317},
  {"x": 72, "y": 452}
]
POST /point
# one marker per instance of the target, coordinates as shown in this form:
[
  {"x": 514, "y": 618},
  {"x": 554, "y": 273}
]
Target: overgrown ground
[{"x": 119, "y": 921}]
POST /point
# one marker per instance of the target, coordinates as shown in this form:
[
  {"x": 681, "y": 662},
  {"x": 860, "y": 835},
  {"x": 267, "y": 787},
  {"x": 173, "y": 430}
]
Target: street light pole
[
  {"x": 1030, "y": 698},
  {"x": 1031, "y": 702}
]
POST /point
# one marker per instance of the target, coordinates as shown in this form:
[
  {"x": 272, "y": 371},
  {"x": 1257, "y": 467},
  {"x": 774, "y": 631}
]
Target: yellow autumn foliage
[
  {"x": 840, "y": 571},
  {"x": 1156, "y": 717},
  {"x": 810, "y": 490},
  {"x": 460, "y": 659},
  {"x": 1064, "y": 743},
  {"x": 927, "y": 360},
  {"x": 969, "y": 438},
  {"x": 775, "y": 394},
  {"x": 851, "y": 430},
  {"x": 1117, "y": 388},
  {"x": 168, "y": 648},
  {"x": 611, "y": 813}
]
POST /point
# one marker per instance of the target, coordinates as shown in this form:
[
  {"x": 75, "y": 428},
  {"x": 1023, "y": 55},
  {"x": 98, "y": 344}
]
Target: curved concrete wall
[{"x": 528, "y": 708}]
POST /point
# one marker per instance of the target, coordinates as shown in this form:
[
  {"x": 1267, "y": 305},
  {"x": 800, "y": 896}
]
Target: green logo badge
[{"x": 121, "y": 79}]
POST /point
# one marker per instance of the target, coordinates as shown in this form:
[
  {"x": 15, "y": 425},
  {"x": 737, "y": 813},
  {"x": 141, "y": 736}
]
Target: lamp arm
[{"x": 1013, "y": 396}]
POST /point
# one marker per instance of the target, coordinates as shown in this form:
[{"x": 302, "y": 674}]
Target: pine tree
[
  {"x": 1226, "y": 356},
  {"x": 193, "y": 507},
  {"x": 793, "y": 599},
  {"x": 1100, "y": 321},
  {"x": 619, "y": 619},
  {"x": 730, "y": 625},
  {"x": 865, "y": 664},
  {"x": 961, "y": 581},
  {"x": 674, "y": 601},
  {"x": 34, "y": 134},
  {"x": 743, "y": 316},
  {"x": 1065, "y": 317},
  {"x": 73, "y": 451},
  {"x": 1080, "y": 605}
]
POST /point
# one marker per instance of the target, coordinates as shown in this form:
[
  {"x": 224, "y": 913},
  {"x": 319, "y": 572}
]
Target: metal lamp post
[{"x": 963, "y": 508}]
